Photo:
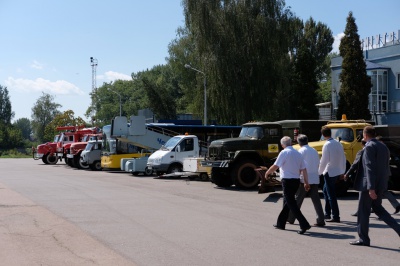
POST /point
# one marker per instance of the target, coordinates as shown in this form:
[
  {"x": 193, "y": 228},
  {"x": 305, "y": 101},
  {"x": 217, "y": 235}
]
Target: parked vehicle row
[{"x": 226, "y": 161}]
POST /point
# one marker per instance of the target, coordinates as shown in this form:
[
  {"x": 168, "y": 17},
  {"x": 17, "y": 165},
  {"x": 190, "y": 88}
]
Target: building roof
[{"x": 371, "y": 66}]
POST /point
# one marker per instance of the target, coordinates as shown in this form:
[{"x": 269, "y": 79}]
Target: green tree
[
  {"x": 66, "y": 118},
  {"x": 162, "y": 91},
  {"x": 243, "y": 49},
  {"x": 355, "y": 83},
  {"x": 324, "y": 93},
  {"x": 10, "y": 137},
  {"x": 6, "y": 113},
  {"x": 313, "y": 42},
  {"x": 43, "y": 112},
  {"x": 182, "y": 51},
  {"x": 24, "y": 124},
  {"x": 107, "y": 101}
]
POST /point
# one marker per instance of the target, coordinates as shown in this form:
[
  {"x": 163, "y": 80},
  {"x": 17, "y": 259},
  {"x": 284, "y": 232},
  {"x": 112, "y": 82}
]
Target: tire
[
  {"x": 96, "y": 166},
  {"x": 220, "y": 178},
  {"x": 204, "y": 177},
  {"x": 51, "y": 159},
  {"x": 44, "y": 159},
  {"x": 78, "y": 163},
  {"x": 148, "y": 172},
  {"x": 70, "y": 162},
  {"x": 244, "y": 175},
  {"x": 341, "y": 188},
  {"x": 176, "y": 167}
]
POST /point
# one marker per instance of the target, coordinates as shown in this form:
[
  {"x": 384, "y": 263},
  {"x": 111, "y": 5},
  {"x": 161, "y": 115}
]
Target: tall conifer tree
[{"x": 355, "y": 83}]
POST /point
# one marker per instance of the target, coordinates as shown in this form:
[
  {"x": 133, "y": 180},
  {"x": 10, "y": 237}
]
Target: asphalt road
[{"x": 56, "y": 215}]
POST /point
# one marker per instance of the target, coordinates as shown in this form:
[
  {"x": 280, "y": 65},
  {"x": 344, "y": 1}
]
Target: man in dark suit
[{"x": 372, "y": 185}]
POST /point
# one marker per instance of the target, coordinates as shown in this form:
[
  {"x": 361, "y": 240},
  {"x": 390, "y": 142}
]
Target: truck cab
[
  {"x": 169, "y": 158},
  {"x": 233, "y": 160},
  {"x": 91, "y": 155}
]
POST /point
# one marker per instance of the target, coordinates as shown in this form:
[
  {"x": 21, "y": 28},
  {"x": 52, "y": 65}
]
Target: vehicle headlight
[{"x": 157, "y": 160}]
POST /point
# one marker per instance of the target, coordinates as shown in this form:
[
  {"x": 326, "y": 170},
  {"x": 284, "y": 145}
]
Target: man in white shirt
[
  {"x": 291, "y": 164},
  {"x": 311, "y": 158},
  {"x": 332, "y": 166}
]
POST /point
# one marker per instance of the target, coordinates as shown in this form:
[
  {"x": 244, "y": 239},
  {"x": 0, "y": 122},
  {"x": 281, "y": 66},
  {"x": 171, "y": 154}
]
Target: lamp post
[
  {"x": 120, "y": 103},
  {"x": 205, "y": 91}
]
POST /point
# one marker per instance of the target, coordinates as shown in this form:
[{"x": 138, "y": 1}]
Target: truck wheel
[
  {"x": 220, "y": 178},
  {"x": 244, "y": 175},
  {"x": 341, "y": 188},
  {"x": 148, "y": 171},
  {"x": 204, "y": 177},
  {"x": 96, "y": 166},
  {"x": 78, "y": 163},
  {"x": 44, "y": 159},
  {"x": 70, "y": 162},
  {"x": 176, "y": 167},
  {"x": 51, "y": 159}
]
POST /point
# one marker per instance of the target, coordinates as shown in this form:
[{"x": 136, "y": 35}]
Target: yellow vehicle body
[
  {"x": 113, "y": 161},
  {"x": 348, "y": 132}
]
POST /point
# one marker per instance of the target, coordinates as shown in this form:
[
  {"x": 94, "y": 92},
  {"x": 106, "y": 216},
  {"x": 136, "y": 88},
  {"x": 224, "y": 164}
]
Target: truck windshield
[
  {"x": 171, "y": 143},
  {"x": 89, "y": 146},
  {"x": 252, "y": 132},
  {"x": 345, "y": 134}
]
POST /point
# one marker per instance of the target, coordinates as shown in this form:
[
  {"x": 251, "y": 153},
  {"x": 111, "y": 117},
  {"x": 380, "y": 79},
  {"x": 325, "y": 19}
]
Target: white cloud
[
  {"x": 336, "y": 43},
  {"x": 38, "y": 85},
  {"x": 111, "y": 76},
  {"x": 36, "y": 65}
]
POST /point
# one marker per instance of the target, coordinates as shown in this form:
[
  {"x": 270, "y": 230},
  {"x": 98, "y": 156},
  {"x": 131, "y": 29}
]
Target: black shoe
[
  {"x": 327, "y": 217},
  {"x": 302, "y": 231},
  {"x": 320, "y": 224},
  {"x": 290, "y": 222},
  {"x": 358, "y": 243},
  {"x": 278, "y": 227},
  {"x": 333, "y": 221},
  {"x": 354, "y": 214},
  {"x": 397, "y": 210}
]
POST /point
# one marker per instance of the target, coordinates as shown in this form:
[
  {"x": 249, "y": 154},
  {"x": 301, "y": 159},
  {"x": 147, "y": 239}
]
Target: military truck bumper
[{"x": 217, "y": 164}]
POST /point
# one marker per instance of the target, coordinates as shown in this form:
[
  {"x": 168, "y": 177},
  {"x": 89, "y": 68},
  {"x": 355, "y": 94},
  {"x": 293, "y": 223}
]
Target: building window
[
  {"x": 398, "y": 81},
  {"x": 379, "y": 91}
]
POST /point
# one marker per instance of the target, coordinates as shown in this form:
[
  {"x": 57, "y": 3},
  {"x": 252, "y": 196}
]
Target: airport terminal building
[{"x": 382, "y": 57}]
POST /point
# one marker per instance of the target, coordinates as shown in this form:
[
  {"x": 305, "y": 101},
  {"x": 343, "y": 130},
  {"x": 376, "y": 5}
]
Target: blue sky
[{"x": 46, "y": 45}]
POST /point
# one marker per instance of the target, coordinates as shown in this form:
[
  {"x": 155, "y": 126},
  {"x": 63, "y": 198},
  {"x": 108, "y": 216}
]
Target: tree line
[{"x": 259, "y": 60}]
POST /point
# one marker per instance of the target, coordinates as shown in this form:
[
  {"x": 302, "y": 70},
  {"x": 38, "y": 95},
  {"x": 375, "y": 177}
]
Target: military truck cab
[{"x": 233, "y": 160}]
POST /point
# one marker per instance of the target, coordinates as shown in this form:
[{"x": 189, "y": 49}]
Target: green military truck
[{"x": 233, "y": 160}]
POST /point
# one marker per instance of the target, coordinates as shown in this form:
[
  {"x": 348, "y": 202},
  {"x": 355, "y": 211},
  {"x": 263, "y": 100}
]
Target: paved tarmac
[{"x": 55, "y": 215}]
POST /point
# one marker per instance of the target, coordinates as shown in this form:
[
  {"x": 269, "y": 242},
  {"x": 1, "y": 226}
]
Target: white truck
[
  {"x": 92, "y": 155},
  {"x": 179, "y": 156}
]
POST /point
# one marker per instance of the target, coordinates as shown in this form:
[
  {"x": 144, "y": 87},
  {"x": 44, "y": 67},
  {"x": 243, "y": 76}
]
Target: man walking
[
  {"x": 372, "y": 185},
  {"x": 332, "y": 166},
  {"x": 291, "y": 164},
  {"x": 311, "y": 158}
]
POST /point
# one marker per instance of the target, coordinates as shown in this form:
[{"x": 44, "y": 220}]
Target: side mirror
[{"x": 178, "y": 148}]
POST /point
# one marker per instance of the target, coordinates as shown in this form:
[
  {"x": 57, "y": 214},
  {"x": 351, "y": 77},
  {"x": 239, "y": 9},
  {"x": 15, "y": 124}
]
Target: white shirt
[
  {"x": 333, "y": 160},
  {"x": 290, "y": 163},
  {"x": 311, "y": 158}
]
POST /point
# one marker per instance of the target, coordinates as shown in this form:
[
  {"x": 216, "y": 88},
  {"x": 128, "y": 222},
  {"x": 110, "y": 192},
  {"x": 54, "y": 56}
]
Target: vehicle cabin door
[{"x": 185, "y": 149}]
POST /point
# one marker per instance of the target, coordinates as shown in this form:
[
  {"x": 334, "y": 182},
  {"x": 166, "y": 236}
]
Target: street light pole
[
  {"x": 120, "y": 102},
  {"x": 205, "y": 91}
]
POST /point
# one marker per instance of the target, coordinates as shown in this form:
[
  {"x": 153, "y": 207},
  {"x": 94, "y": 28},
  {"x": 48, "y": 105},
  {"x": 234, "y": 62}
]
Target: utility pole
[{"x": 93, "y": 63}]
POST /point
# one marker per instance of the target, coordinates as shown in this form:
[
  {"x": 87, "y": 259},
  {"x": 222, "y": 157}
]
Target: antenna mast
[{"x": 93, "y": 63}]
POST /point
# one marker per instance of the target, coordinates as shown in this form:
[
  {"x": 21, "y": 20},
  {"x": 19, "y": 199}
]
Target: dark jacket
[
  {"x": 375, "y": 162},
  {"x": 356, "y": 170}
]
